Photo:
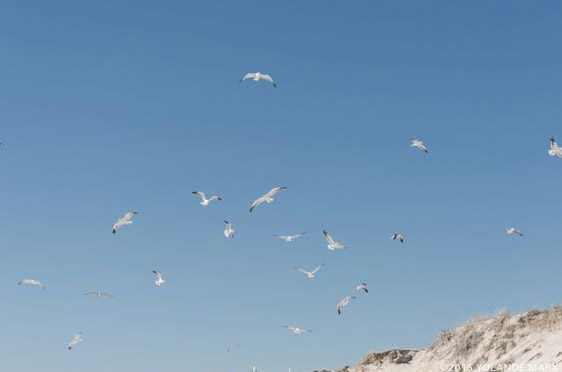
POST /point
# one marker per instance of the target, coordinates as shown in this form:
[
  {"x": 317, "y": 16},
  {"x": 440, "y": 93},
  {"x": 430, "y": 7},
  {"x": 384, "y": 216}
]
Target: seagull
[
  {"x": 204, "y": 201},
  {"x": 127, "y": 219},
  {"x": 254, "y": 369},
  {"x": 98, "y": 294},
  {"x": 297, "y": 330},
  {"x": 344, "y": 302},
  {"x": 267, "y": 197},
  {"x": 513, "y": 231},
  {"x": 228, "y": 230},
  {"x": 418, "y": 144},
  {"x": 75, "y": 340},
  {"x": 159, "y": 278},
  {"x": 290, "y": 238},
  {"x": 310, "y": 274},
  {"x": 232, "y": 347},
  {"x": 398, "y": 237},
  {"x": 32, "y": 282},
  {"x": 362, "y": 287},
  {"x": 257, "y": 76},
  {"x": 332, "y": 244},
  {"x": 554, "y": 149}
]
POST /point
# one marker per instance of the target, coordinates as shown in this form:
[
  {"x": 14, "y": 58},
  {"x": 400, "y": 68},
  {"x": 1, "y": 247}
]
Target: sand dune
[{"x": 531, "y": 341}]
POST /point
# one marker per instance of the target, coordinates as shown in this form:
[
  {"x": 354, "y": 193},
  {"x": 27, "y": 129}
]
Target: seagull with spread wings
[
  {"x": 332, "y": 244},
  {"x": 297, "y": 330},
  {"x": 398, "y": 237},
  {"x": 32, "y": 282},
  {"x": 344, "y": 302},
  {"x": 228, "y": 230},
  {"x": 310, "y": 274},
  {"x": 204, "y": 201},
  {"x": 159, "y": 278},
  {"x": 290, "y": 238},
  {"x": 362, "y": 287},
  {"x": 257, "y": 76},
  {"x": 266, "y": 198},
  {"x": 98, "y": 294},
  {"x": 513, "y": 231},
  {"x": 75, "y": 341},
  {"x": 127, "y": 219},
  {"x": 419, "y": 145}
]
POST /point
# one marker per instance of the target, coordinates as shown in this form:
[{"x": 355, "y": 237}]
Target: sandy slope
[{"x": 530, "y": 341}]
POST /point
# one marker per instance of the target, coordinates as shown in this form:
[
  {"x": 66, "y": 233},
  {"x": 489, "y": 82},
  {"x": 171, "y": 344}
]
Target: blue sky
[{"x": 131, "y": 105}]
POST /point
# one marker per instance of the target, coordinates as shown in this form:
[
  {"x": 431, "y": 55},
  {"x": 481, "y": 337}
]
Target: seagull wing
[
  {"x": 275, "y": 190},
  {"x": 257, "y": 202},
  {"x": 158, "y": 275},
  {"x": 200, "y": 194},
  {"x": 301, "y": 270},
  {"x": 317, "y": 268},
  {"x": 249, "y": 75},
  {"x": 268, "y": 78},
  {"x": 329, "y": 238}
]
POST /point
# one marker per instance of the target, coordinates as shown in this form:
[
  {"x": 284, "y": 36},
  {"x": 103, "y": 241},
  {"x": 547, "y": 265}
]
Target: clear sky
[{"x": 112, "y": 106}]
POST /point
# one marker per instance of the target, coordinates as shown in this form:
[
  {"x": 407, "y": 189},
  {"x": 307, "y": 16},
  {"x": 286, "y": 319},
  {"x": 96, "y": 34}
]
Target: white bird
[
  {"x": 362, "y": 287},
  {"x": 266, "y": 198},
  {"x": 344, "y": 302},
  {"x": 231, "y": 347},
  {"x": 418, "y": 144},
  {"x": 75, "y": 340},
  {"x": 290, "y": 238},
  {"x": 513, "y": 231},
  {"x": 554, "y": 149},
  {"x": 98, "y": 294},
  {"x": 332, "y": 244},
  {"x": 254, "y": 369},
  {"x": 127, "y": 219},
  {"x": 297, "y": 330},
  {"x": 228, "y": 230},
  {"x": 257, "y": 76},
  {"x": 159, "y": 278},
  {"x": 204, "y": 201},
  {"x": 310, "y": 274},
  {"x": 398, "y": 237},
  {"x": 32, "y": 282}
]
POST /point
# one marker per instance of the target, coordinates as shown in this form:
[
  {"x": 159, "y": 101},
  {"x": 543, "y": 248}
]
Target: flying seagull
[
  {"x": 310, "y": 274},
  {"x": 418, "y": 144},
  {"x": 398, "y": 237},
  {"x": 231, "y": 347},
  {"x": 513, "y": 231},
  {"x": 75, "y": 341},
  {"x": 98, "y": 294},
  {"x": 159, "y": 278},
  {"x": 127, "y": 219},
  {"x": 254, "y": 369},
  {"x": 257, "y": 76},
  {"x": 290, "y": 238},
  {"x": 297, "y": 330},
  {"x": 362, "y": 287},
  {"x": 32, "y": 282},
  {"x": 204, "y": 201},
  {"x": 332, "y": 244},
  {"x": 554, "y": 149},
  {"x": 228, "y": 230},
  {"x": 344, "y": 302},
  {"x": 266, "y": 198}
]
